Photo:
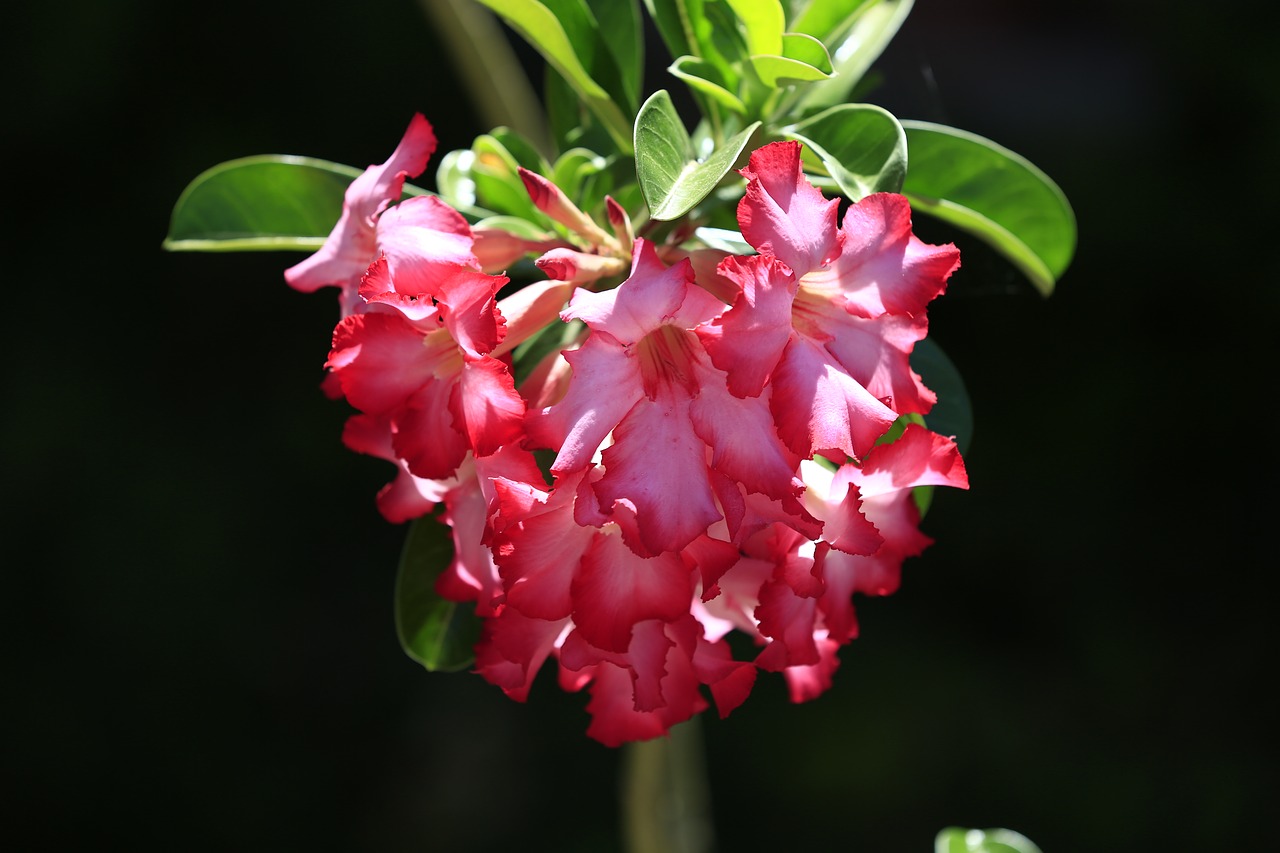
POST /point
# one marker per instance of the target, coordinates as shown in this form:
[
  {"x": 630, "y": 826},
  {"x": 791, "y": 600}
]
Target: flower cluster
[{"x": 721, "y": 436}]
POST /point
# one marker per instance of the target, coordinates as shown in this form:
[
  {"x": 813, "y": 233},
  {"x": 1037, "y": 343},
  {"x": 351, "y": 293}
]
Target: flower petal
[
  {"x": 350, "y": 247},
  {"x": 784, "y": 215}
]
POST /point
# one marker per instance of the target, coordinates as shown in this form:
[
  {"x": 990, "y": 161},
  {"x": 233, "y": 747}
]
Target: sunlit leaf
[
  {"x": 496, "y": 174},
  {"x": 994, "y": 194},
  {"x": 437, "y": 633},
  {"x": 803, "y": 60},
  {"x": 827, "y": 19},
  {"x": 670, "y": 176},
  {"x": 269, "y": 202},
  {"x": 539, "y": 26},
  {"x": 763, "y": 22},
  {"x": 955, "y": 839},
  {"x": 873, "y": 28},
  {"x": 573, "y": 167},
  {"x": 861, "y": 146},
  {"x": 703, "y": 76}
]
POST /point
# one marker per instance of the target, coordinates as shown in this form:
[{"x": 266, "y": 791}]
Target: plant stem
[{"x": 666, "y": 800}]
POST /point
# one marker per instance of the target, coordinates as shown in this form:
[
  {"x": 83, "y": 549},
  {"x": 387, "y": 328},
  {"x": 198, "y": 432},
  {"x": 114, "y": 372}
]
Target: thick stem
[{"x": 666, "y": 800}]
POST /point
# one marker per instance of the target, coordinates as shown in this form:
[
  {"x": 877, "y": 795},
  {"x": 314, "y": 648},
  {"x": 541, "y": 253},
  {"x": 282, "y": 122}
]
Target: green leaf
[
  {"x": 706, "y": 77},
  {"x": 955, "y": 839},
  {"x": 670, "y": 176},
  {"x": 666, "y": 16},
  {"x": 268, "y": 202},
  {"x": 763, "y": 22},
  {"x": 619, "y": 27},
  {"x": 803, "y": 60},
  {"x": 825, "y": 20},
  {"x": 552, "y": 338},
  {"x": 873, "y": 28},
  {"x": 539, "y": 26},
  {"x": 499, "y": 188},
  {"x": 953, "y": 413},
  {"x": 994, "y": 194},
  {"x": 572, "y": 169},
  {"x": 861, "y": 146},
  {"x": 437, "y": 633}
]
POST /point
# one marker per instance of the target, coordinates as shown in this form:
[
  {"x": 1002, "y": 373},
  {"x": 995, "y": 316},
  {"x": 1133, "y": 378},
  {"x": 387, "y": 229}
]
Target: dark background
[{"x": 201, "y": 652}]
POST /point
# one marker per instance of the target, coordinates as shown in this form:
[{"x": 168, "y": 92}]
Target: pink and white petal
[
  {"x": 747, "y": 340},
  {"x": 529, "y": 310},
  {"x": 845, "y": 527},
  {"x": 468, "y": 308},
  {"x": 711, "y": 558},
  {"x": 788, "y": 619},
  {"x": 819, "y": 408},
  {"x": 730, "y": 680},
  {"x": 425, "y": 435},
  {"x": 380, "y": 360},
  {"x": 406, "y": 497},
  {"x": 538, "y": 547},
  {"x": 605, "y": 386},
  {"x": 485, "y": 405},
  {"x": 883, "y": 267},
  {"x": 647, "y": 655},
  {"x": 512, "y": 462},
  {"x": 350, "y": 246},
  {"x": 419, "y": 237},
  {"x": 650, "y": 297},
  {"x": 877, "y": 354},
  {"x": 467, "y": 514},
  {"x": 897, "y": 518},
  {"x": 512, "y": 648},
  {"x": 706, "y": 272},
  {"x": 658, "y": 463},
  {"x": 784, "y": 215},
  {"x": 744, "y": 440},
  {"x": 918, "y": 458},
  {"x": 614, "y": 719},
  {"x": 614, "y": 589},
  {"x": 809, "y": 682}
]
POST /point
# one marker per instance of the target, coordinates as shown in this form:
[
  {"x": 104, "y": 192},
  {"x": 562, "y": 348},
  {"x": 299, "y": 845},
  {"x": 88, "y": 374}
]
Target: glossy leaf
[
  {"x": 437, "y": 633},
  {"x": 952, "y": 415},
  {"x": 539, "y": 26},
  {"x": 667, "y": 18},
  {"x": 826, "y": 20},
  {"x": 861, "y": 146},
  {"x": 621, "y": 34},
  {"x": 803, "y": 60},
  {"x": 706, "y": 78},
  {"x": 270, "y": 202},
  {"x": 453, "y": 177},
  {"x": 763, "y": 21},
  {"x": 496, "y": 174},
  {"x": 873, "y": 28},
  {"x": 955, "y": 839},
  {"x": 573, "y": 167},
  {"x": 670, "y": 176},
  {"x": 994, "y": 194}
]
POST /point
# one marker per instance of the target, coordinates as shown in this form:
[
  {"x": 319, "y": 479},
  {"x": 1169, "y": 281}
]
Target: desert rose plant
[{"x": 644, "y": 384}]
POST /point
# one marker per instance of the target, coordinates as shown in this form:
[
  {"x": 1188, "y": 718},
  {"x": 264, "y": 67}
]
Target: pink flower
[
  {"x": 828, "y": 317},
  {"x": 615, "y": 620},
  {"x": 644, "y": 379},
  {"x": 418, "y": 356}
]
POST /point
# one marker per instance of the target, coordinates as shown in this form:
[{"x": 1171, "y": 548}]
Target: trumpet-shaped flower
[
  {"x": 644, "y": 378},
  {"x": 418, "y": 356},
  {"x": 827, "y": 316}
]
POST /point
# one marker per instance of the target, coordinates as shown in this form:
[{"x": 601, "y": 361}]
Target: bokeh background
[{"x": 201, "y": 652}]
